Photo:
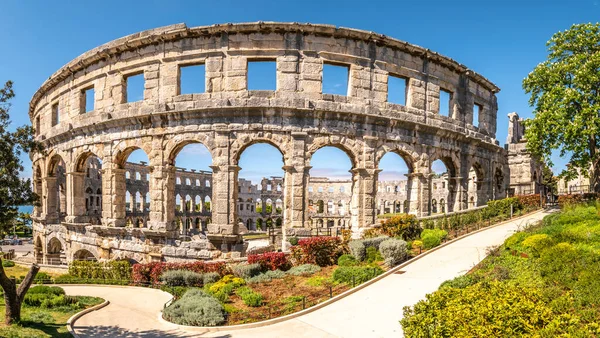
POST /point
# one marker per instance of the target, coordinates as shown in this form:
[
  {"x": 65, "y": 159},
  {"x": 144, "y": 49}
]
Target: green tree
[
  {"x": 549, "y": 180},
  {"x": 565, "y": 94},
  {"x": 14, "y": 191}
]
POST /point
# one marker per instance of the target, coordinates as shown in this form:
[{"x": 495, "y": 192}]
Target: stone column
[
  {"x": 225, "y": 194},
  {"x": 362, "y": 209},
  {"x": 412, "y": 193},
  {"x": 425, "y": 193},
  {"x": 162, "y": 198},
  {"x": 52, "y": 199},
  {"x": 113, "y": 195},
  {"x": 460, "y": 193},
  {"x": 76, "y": 212}
]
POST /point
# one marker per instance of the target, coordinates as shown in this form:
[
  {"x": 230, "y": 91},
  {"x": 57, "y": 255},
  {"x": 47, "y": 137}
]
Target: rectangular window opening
[
  {"x": 135, "y": 87},
  {"x": 397, "y": 87},
  {"x": 88, "y": 96},
  {"x": 477, "y": 108},
  {"x": 55, "y": 114},
  {"x": 335, "y": 79},
  {"x": 192, "y": 79},
  {"x": 445, "y": 97},
  {"x": 262, "y": 75}
]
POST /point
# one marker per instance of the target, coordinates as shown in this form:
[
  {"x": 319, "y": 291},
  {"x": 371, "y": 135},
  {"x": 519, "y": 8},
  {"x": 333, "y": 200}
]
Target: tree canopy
[
  {"x": 14, "y": 190},
  {"x": 565, "y": 94}
]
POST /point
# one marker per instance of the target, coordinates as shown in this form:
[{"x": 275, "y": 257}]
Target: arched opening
[
  {"x": 192, "y": 163},
  {"x": 56, "y": 201},
  {"x": 442, "y": 176},
  {"x": 434, "y": 208},
  {"x": 37, "y": 188},
  {"x": 84, "y": 255},
  {"x": 134, "y": 162},
  {"x": 475, "y": 192},
  {"x": 260, "y": 179},
  {"x": 330, "y": 183},
  {"x": 395, "y": 182},
  {"x": 259, "y": 224}
]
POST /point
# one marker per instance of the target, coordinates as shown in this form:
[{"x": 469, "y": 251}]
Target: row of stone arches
[{"x": 278, "y": 141}]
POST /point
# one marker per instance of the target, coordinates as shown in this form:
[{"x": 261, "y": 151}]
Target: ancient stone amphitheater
[{"x": 297, "y": 118}]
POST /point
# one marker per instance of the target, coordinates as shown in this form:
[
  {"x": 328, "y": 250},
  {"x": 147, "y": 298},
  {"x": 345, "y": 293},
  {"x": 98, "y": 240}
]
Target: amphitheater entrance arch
[{"x": 84, "y": 255}]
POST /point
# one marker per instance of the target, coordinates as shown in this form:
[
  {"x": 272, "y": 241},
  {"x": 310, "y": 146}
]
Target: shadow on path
[{"x": 114, "y": 331}]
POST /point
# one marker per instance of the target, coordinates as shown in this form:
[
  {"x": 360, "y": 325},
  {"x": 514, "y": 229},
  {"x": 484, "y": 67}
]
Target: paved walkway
[{"x": 371, "y": 312}]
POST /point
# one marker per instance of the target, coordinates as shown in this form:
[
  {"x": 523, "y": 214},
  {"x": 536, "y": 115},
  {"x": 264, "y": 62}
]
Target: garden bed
[
  {"x": 45, "y": 314},
  {"x": 542, "y": 281}
]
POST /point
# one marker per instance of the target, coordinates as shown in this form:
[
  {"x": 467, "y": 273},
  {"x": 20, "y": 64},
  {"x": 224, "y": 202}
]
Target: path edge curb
[
  {"x": 341, "y": 295},
  {"x": 79, "y": 314}
]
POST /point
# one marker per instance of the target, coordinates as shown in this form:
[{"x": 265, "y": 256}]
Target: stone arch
[
  {"x": 38, "y": 249},
  {"x": 124, "y": 148},
  {"x": 175, "y": 145},
  {"x": 342, "y": 144},
  {"x": 239, "y": 146},
  {"x": 407, "y": 154},
  {"x": 84, "y": 254}
]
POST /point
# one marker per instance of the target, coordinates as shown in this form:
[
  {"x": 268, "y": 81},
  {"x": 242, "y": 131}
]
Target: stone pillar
[
  {"x": 424, "y": 193},
  {"x": 52, "y": 199},
  {"x": 362, "y": 206},
  {"x": 76, "y": 198},
  {"x": 113, "y": 195},
  {"x": 225, "y": 194},
  {"x": 162, "y": 198},
  {"x": 412, "y": 193}
]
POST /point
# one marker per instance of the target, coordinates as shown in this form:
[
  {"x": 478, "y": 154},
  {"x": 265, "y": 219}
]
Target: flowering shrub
[
  {"x": 529, "y": 202},
  {"x": 323, "y": 251},
  {"x": 403, "y": 225},
  {"x": 565, "y": 200},
  {"x": 151, "y": 272},
  {"x": 270, "y": 261}
]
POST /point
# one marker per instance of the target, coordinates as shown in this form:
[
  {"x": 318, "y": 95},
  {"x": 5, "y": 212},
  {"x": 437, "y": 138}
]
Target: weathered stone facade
[
  {"x": 525, "y": 169},
  {"x": 297, "y": 118}
]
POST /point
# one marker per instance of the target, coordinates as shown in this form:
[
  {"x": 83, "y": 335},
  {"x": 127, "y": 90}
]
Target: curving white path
[{"x": 371, "y": 312}]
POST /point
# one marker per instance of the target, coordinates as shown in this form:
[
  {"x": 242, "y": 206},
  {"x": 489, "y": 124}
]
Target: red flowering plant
[
  {"x": 323, "y": 251},
  {"x": 271, "y": 261},
  {"x": 151, "y": 272}
]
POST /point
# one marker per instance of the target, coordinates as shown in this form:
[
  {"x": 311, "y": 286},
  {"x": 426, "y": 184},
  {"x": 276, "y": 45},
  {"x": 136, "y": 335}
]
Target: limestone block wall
[{"x": 297, "y": 118}]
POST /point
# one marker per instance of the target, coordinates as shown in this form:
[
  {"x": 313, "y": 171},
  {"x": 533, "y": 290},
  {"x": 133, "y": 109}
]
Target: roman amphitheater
[{"x": 97, "y": 204}]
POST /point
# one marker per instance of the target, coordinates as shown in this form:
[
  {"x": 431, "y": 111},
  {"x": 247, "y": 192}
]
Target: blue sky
[{"x": 502, "y": 40}]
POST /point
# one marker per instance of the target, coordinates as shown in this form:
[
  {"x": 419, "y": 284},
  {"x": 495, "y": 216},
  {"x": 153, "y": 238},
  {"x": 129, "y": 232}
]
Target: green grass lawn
[
  {"x": 544, "y": 281},
  {"x": 37, "y": 322},
  {"x": 255, "y": 236}
]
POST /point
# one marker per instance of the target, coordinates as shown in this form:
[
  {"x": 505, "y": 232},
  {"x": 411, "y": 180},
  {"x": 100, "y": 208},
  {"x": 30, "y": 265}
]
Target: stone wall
[{"x": 297, "y": 118}]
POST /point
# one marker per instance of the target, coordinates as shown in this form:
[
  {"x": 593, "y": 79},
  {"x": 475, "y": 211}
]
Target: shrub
[
  {"x": 8, "y": 264},
  {"x": 195, "y": 308},
  {"x": 210, "y": 277},
  {"x": 181, "y": 278},
  {"x": 403, "y": 225},
  {"x": 151, "y": 272},
  {"x": 249, "y": 296},
  {"x": 42, "y": 277},
  {"x": 538, "y": 242},
  {"x": 347, "y": 260},
  {"x": 478, "y": 310},
  {"x": 270, "y": 261},
  {"x": 323, "y": 251},
  {"x": 293, "y": 240},
  {"x": 114, "y": 270},
  {"x": 275, "y": 274},
  {"x": 262, "y": 278},
  {"x": 355, "y": 275},
  {"x": 304, "y": 270},
  {"x": 393, "y": 251},
  {"x": 358, "y": 249},
  {"x": 374, "y": 242},
  {"x": 266, "y": 277},
  {"x": 42, "y": 289},
  {"x": 246, "y": 270},
  {"x": 222, "y": 289},
  {"x": 417, "y": 244},
  {"x": 373, "y": 255},
  {"x": 433, "y": 237}
]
